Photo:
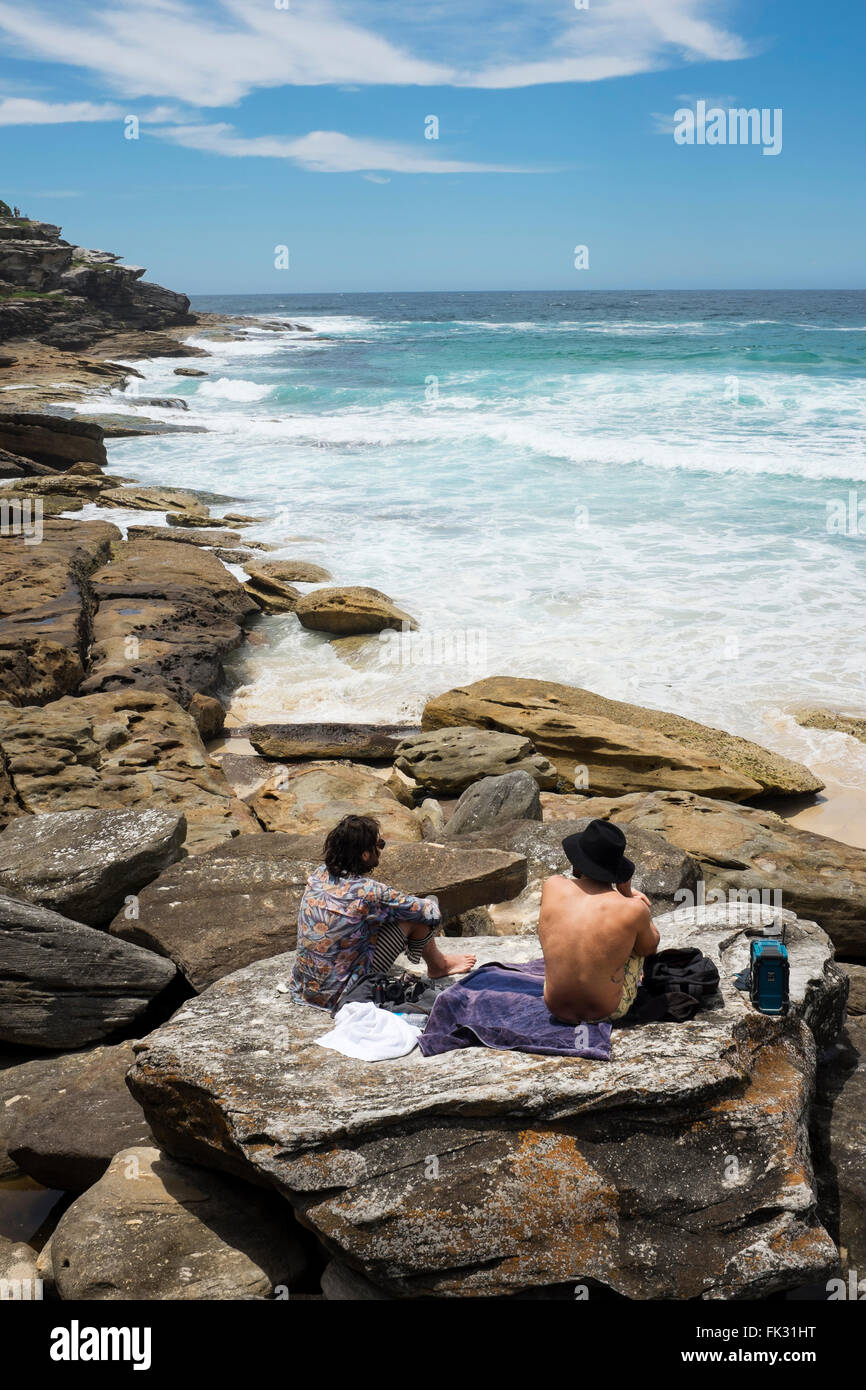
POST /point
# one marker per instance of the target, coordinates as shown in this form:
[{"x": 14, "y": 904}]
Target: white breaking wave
[
  {"x": 668, "y": 425},
  {"x": 226, "y": 389},
  {"x": 719, "y": 592}
]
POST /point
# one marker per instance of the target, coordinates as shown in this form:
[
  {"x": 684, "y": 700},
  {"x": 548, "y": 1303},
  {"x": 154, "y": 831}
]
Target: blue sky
[{"x": 305, "y": 127}]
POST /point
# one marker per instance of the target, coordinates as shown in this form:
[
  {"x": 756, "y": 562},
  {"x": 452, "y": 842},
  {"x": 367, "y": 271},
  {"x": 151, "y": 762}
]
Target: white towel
[{"x": 373, "y": 1035}]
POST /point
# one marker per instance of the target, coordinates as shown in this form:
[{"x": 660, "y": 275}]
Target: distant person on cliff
[
  {"x": 595, "y": 929},
  {"x": 351, "y": 926}
]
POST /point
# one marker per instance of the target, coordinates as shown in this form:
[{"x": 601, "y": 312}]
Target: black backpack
[{"x": 675, "y": 983}]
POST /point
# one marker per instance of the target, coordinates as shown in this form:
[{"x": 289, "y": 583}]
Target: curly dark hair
[{"x": 347, "y": 843}]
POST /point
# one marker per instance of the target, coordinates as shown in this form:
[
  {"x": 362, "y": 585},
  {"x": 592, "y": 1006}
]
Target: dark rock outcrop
[
  {"x": 84, "y": 864},
  {"x": 64, "y": 1117},
  {"x": 63, "y": 985},
  {"x": 52, "y": 440},
  {"x": 857, "y": 991},
  {"x": 839, "y": 1146},
  {"x": 69, "y": 297}
]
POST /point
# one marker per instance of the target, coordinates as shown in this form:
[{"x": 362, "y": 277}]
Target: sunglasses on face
[{"x": 380, "y": 843}]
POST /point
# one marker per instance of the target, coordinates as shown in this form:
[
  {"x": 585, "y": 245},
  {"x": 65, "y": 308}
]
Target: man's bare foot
[{"x": 451, "y": 965}]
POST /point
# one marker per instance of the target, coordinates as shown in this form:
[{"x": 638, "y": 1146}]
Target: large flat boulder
[
  {"x": 152, "y": 1228},
  {"x": 482, "y": 1172},
  {"x": 662, "y": 869},
  {"x": 618, "y": 747},
  {"x": 350, "y": 610},
  {"x": 73, "y": 483},
  {"x": 84, "y": 863},
  {"x": 175, "y": 500},
  {"x": 47, "y": 606},
  {"x": 313, "y": 797},
  {"x": 220, "y": 911},
  {"x": 460, "y": 876},
  {"x": 447, "y": 761},
  {"x": 358, "y": 742},
  {"x": 64, "y": 1117},
  {"x": 226, "y": 540},
  {"x": 64, "y": 985},
  {"x": 741, "y": 849},
  {"x": 168, "y": 616},
  {"x": 125, "y": 749}
]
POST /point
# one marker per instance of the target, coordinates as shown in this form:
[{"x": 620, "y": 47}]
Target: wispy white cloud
[
  {"x": 31, "y": 111},
  {"x": 212, "y": 56},
  {"x": 26, "y": 111},
  {"x": 216, "y": 55},
  {"x": 326, "y": 151}
]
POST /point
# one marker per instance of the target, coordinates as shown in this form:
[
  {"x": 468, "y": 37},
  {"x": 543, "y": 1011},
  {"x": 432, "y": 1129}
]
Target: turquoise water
[{"x": 628, "y": 492}]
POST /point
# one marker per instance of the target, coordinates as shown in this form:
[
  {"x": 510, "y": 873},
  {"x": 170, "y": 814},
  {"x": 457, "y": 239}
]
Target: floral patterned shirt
[{"x": 338, "y": 924}]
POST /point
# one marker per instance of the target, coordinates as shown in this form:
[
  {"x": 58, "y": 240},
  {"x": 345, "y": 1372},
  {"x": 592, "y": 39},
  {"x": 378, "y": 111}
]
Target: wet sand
[{"x": 838, "y": 812}]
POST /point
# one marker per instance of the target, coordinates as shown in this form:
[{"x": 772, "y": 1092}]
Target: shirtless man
[{"x": 595, "y": 930}]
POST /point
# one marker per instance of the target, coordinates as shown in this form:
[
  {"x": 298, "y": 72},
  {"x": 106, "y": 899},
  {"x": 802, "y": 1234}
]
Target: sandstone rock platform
[{"x": 680, "y": 1169}]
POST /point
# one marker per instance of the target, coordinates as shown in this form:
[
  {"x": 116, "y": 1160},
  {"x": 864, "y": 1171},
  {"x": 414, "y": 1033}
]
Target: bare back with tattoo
[{"x": 588, "y": 930}]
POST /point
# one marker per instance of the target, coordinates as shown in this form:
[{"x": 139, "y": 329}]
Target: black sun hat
[{"x": 598, "y": 852}]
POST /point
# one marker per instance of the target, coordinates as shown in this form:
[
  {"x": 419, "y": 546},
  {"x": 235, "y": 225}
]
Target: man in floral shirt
[{"x": 351, "y": 925}]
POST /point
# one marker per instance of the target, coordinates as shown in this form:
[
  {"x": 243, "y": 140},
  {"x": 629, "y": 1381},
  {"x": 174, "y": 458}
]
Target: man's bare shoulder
[{"x": 557, "y": 883}]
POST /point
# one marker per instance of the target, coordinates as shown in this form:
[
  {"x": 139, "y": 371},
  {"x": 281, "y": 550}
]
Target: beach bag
[
  {"x": 675, "y": 984},
  {"x": 684, "y": 969}
]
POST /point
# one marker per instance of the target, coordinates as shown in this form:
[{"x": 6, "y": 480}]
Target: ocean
[{"x": 652, "y": 495}]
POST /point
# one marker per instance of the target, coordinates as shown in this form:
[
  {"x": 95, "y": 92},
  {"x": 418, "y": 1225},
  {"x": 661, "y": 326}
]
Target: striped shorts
[{"x": 392, "y": 939}]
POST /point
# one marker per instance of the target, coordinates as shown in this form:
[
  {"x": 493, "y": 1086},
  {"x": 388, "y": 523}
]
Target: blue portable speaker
[{"x": 768, "y": 976}]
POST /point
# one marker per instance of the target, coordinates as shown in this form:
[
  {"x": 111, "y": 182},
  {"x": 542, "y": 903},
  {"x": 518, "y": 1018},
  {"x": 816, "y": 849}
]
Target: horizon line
[{"x": 672, "y": 289}]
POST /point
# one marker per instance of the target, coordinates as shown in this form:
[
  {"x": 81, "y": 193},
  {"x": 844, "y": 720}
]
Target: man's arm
[
  {"x": 647, "y": 938},
  {"x": 646, "y": 941},
  {"x": 405, "y": 907}
]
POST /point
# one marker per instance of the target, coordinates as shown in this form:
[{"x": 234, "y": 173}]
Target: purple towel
[{"x": 503, "y": 1006}]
